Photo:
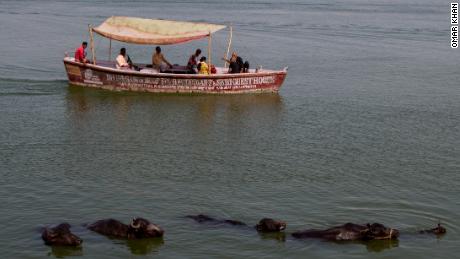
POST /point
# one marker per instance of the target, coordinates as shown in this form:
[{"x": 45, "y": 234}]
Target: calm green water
[{"x": 365, "y": 129}]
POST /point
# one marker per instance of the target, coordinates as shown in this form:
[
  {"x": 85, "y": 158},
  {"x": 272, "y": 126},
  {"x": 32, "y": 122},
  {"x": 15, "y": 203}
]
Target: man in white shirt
[{"x": 121, "y": 60}]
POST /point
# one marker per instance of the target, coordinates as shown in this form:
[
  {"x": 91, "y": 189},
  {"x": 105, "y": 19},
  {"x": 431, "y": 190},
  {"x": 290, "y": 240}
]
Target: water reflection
[
  {"x": 380, "y": 245},
  {"x": 82, "y": 102},
  {"x": 278, "y": 236},
  {"x": 375, "y": 245},
  {"x": 139, "y": 246},
  {"x": 144, "y": 246},
  {"x": 65, "y": 251},
  {"x": 84, "y": 99},
  {"x": 203, "y": 109}
]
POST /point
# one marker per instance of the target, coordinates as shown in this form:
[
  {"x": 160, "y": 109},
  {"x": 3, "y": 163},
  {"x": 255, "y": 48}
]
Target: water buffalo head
[
  {"x": 60, "y": 236},
  {"x": 143, "y": 228},
  {"x": 379, "y": 231},
  {"x": 439, "y": 230},
  {"x": 270, "y": 225}
]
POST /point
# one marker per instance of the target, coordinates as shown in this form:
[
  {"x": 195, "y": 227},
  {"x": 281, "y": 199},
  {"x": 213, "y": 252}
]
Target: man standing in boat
[
  {"x": 158, "y": 59},
  {"x": 236, "y": 64},
  {"x": 80, "y": 55}
]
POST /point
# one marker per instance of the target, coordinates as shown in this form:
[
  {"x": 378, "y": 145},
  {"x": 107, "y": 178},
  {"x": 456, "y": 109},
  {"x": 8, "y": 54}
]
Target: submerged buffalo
[
  {"x": 350, "y": 232},
  {"x": 200, "y": 218},
  {"x": 438, "y": 230},
  {"x": 139, "y": 228},
  {"x": 60, "y": 236},
  {"x": 270, "y": 225},
  {"x": 264, "y": 225}
]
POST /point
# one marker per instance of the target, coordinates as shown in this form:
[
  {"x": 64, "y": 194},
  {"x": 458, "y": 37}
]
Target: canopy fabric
[{"x": 157, "y": 32}]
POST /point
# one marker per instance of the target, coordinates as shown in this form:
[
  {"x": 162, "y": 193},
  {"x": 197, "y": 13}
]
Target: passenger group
[{"x": 161, "y": 64}]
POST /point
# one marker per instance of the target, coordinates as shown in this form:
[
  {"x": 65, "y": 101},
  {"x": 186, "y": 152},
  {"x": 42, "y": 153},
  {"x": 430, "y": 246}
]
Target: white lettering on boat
[
  {"x": 129, "y": 81},
  {"x": 91, "y": 78}
]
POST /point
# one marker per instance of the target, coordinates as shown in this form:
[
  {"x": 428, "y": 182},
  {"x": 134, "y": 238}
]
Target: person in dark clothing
[
  {"x": 234, "y": 67},
  {"x": 236, "y": 64},
  {"x": 239, "y": 60},
  {"x": 246, "y": 67}
]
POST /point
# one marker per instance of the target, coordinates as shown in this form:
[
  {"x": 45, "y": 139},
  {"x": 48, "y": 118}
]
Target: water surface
[{"x": 365, "y": 129}]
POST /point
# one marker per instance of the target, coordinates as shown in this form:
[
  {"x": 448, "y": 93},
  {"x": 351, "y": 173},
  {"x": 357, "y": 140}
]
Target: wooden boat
[{"x": 104, "y": 74}]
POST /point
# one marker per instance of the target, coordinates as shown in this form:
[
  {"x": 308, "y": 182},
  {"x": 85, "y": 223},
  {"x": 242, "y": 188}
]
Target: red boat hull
[{"x": 126, "y": 80}]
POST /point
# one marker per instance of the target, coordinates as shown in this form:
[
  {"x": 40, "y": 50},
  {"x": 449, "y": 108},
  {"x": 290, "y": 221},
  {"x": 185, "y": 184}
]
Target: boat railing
[{"x": 146, "y": 68}]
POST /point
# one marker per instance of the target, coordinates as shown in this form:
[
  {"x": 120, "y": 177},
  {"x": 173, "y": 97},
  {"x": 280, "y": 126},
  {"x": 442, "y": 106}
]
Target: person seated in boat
[
  {"x": 192, "y": 63},
  {"x": 121, "y": 59},
  {"x": 235, "y": 64},
  {"x": 80, "y": 55},
  {"x": 158, "y": 59},
  {"x": 131, "y": 64},
  {"x": 203, "y": 67}
]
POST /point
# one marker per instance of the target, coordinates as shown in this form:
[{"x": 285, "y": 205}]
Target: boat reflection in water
[{"x": 86, "y": 106}]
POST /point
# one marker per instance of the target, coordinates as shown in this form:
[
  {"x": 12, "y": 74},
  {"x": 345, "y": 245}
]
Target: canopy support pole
[
  {"x": 110, "y": 49},
  {"x": 209, "y": 52},
  {"x": 92, "y": 43},
  {"x": 228, "y": 46}
]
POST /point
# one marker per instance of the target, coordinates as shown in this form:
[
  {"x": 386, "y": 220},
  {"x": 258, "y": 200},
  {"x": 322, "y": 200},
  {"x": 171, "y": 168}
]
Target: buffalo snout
[{"x": 270, "y": 225}]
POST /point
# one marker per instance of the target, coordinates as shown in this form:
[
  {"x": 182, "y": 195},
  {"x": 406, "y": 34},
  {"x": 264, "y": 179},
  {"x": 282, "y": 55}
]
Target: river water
[{"x": 366, "y": 128}]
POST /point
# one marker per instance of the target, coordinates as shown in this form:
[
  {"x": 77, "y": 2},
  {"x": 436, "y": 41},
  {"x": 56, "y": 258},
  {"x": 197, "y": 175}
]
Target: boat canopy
[{"x": 154, "y": 31}]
